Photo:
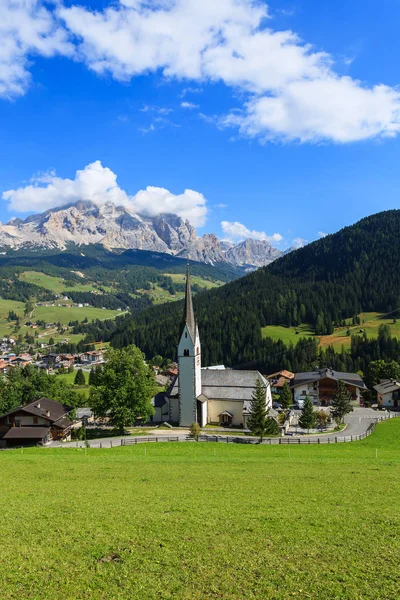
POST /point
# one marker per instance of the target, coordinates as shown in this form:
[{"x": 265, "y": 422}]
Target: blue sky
[{"x": 282, "y": 119}]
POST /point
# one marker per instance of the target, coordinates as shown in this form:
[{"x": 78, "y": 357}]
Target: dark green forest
[{"x": 354, "y": 270}]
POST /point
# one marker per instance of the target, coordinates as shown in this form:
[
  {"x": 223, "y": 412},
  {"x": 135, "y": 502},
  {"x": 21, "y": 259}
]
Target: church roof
[
  {"x": 188, "y": 315},
  {"x": 226, "y": 384}
]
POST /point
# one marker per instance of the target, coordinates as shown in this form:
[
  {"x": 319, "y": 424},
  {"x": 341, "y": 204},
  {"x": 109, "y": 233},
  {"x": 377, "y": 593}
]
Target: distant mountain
[{"x": 115, "y": 227}]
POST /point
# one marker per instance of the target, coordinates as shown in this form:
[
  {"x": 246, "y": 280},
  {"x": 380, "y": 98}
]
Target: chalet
[
  {"x": 278, "y": 380},
  {"x": 38, "y": 422},
  {"x": 388, "y": 393},
  {"x": 92, "y": 356},
  {"x": 321, "y": 386}
]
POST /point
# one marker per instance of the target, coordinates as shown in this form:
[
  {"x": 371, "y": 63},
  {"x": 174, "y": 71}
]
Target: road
[{"x": 357, "y": 423}]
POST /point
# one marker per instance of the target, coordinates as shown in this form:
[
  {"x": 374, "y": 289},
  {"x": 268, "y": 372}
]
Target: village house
[
  {"x": 278, "y": 380},
  {"x": 321, "y": 386},
  {"x": 388, "y": 393},
  {"x": 38, "y": 422},
  {"x": 92, "y": 357},
  {"x": 212, "y": 395}
]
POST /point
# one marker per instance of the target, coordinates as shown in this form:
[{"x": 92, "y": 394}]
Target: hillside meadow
[
  {"x": 370, "y": 323},
  {"x": 194, "y": 521}
]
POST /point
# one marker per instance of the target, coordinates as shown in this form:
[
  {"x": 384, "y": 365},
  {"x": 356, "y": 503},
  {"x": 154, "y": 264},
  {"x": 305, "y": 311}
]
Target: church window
[
  {"x": 186, "y": 352},
  {"x": 185, "y": 334},
  {"x": 197, "y": 350}
]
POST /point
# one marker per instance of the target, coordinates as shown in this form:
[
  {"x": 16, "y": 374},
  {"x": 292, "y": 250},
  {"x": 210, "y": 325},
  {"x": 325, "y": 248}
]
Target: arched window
[
  {"x": 186, "y": 352},
  {"x": 197, "y": 350},
  {"x": 185, "y": 334}
]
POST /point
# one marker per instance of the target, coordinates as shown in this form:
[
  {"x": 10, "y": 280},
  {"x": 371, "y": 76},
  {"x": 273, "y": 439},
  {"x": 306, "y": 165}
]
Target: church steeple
[
  {"x": 189, "y": 361},
  {"x": 188, "y": 315}
]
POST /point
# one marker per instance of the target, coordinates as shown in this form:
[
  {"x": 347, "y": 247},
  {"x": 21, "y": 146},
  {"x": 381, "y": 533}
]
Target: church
[{"x": 209, "y": 395}]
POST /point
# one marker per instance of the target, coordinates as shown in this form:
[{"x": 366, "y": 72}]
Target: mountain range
[{"x": 115, "y": 227}]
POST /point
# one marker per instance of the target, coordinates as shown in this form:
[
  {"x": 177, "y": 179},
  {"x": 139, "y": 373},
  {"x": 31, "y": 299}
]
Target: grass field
[
  {"x": 54, "y": 284},
  {"x": 370, "y": 323},
  {"x": 288, "y": 335},
  {"x": 195, "y": 279},
  {"x": 195, "y": 521},
  {"x": 63, "y": 314}
]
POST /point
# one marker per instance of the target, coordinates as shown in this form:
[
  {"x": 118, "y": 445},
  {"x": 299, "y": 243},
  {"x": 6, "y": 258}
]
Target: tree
[
  {"x": 80, "y": 378},
  {"x": 124, "y": 388},
  {"x": 195, "y": 430},
  {"x": 307, "y": 418},
  {"x": 322, "y": 419},
  {"x": 341, "y": 402},
  {"x": 51, "y": 341},
  {"x": 28, "y": 307},
  {"x": 257, "y": 421},
  {"x": 286, "y": 398}
]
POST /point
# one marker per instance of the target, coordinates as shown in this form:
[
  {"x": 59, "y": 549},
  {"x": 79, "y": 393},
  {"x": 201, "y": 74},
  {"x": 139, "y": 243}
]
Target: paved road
[{"x": 357, "y": 423}]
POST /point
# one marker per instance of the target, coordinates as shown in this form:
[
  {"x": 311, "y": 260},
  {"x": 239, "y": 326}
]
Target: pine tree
[
  {"x": 307, "y": 418},
  {"x": 286, "y": 398},
  {"x": 80, "y": 378},
  {"x": 341, "y": 402},
  {"x": 257, "y": 421}
]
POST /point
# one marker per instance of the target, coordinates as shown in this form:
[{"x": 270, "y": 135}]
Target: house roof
[
  {"x": 310, "y": 376},
  {"x": 283, "y": 373},
  {"x": 40, "y": 408},
  {"x": 31, "y": 433},
  {"x": 225, "y": 384},
  {"x": 386, "y": 386}
]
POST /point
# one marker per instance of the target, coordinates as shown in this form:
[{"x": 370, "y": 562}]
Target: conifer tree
[
  {"x": 80, "y": 378},
  {"x": 307, "y": 418},
  {"x": 341, "y": 402},
  {"x": 257, "y": 422},
  {"x": 286, "y": 398}
]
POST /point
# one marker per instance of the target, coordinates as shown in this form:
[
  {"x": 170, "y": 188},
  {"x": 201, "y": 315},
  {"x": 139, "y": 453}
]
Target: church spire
[{"x": 188, "y": 315}]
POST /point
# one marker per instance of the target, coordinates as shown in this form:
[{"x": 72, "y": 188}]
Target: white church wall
[{"x": 216, "y": 407}]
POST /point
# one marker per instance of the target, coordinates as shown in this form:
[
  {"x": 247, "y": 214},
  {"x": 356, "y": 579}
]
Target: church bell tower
[{"x": 189, "y": 361}]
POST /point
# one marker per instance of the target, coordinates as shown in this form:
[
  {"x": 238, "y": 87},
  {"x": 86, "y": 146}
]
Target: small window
[
  {"x": 35, "y": 420},
  {"x": 186, "y": 352},
  {"x": 197, "y": 351},
  {"x": 185, "y": 334}
]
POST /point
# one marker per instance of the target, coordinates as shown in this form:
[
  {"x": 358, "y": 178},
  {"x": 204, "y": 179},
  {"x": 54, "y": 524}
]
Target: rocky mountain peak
[{"x": 116, "y": 227}]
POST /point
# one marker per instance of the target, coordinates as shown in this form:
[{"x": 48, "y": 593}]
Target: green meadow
[
  {"x": 54, "y": 284},
  {"x": 195, "y": 520},
  {"x": 370, "y": 323}
]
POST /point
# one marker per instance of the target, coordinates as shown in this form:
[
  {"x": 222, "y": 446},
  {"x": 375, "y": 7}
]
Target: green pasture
[
  {"x": 288, "y": 335},
  {"x": 54, "y": 284},
  {"x": 370, "y": 323},
  {"x": 195, "y": 279},
  {"x": 5, "y": 307},
  {"x": 65, "y": 314},
  {"x": 183, "y": 521}
]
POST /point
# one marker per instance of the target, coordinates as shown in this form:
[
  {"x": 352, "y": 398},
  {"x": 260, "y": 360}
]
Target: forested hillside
[{"x": 354, "y": 270}]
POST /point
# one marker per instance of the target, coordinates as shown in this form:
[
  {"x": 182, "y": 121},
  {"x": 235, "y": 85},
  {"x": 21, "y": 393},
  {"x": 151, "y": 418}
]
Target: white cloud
[
  {"x": 99, "y": 184},
  {"x": 289, "y": 90},
  {"x": 221, "y": 205},
  {"x": 236, "y": 231},
  {"x": 322, "y": 234},
  {"x": 189, "y": 105},
  {"x": 27, "y": 29},
  {"x": 299, "y": 242},
  {"x": 293, "y": 91}
]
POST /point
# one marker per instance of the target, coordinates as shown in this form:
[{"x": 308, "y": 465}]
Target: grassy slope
[
  {"x": 372, "y": 322},
  {"x": 49, "y": 314},
  {"x": 54, "y": 284},
  {"x": 203, "y": 521}
]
